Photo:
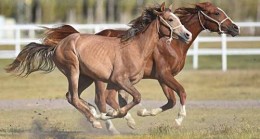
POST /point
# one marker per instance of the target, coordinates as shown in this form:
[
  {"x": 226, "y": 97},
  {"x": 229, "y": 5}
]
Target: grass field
[
  {"x": 199, "y": 84},
  {"x": 240, "y": 82}
]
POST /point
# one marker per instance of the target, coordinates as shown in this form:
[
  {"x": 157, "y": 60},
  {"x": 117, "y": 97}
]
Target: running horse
[
  {"x": 167, "y": 61},
  {"x": 119, "y": 62}
]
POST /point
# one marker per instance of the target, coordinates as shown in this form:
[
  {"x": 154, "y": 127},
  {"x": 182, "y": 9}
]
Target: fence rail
[{"x": 18, "y": 40}]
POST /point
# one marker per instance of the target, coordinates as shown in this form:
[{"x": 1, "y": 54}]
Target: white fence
[{"x": 17, "y": 40}]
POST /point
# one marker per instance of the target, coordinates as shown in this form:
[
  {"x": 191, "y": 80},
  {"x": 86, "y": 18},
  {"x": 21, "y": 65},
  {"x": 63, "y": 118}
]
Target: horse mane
[
  {"x": 186, "y": 13},
  {"x": 52, "y": 36},
  {"x": 141, "y": 23}
]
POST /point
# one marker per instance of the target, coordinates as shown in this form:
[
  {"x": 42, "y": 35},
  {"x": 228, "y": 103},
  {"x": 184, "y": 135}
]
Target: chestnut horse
[
  {"x": 167, "y": 61},
  {"x": 204, "y": 16},
  {"x": 119, "y": 62}
]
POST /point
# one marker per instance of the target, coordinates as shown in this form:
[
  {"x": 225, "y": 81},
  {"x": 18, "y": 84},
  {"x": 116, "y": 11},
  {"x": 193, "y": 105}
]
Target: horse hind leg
[
  {"x": 72, "y": 75},
  {"x": 85, "y": 82}
]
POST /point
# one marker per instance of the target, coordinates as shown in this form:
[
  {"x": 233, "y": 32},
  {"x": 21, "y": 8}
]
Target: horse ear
[
  {"x": 170, "y": 7},
  {"x": 163, "y": 6},
  {"x": 157, "y": 13},
  {"x": 203, "y": 6}
]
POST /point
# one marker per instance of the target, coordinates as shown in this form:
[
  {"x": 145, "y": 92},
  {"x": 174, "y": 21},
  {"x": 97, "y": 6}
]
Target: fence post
[
  {"x": 97, "y": 29},
  {"x": 224, "y": 51},
  {"x": 196, "y": 53},
  {"x": 17, "y": 40}
]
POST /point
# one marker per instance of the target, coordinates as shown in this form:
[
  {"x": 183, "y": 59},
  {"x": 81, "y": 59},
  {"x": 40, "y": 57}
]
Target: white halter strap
[
  {"x": 170, "y": 27},
  {"x": 212, "y": 19}
]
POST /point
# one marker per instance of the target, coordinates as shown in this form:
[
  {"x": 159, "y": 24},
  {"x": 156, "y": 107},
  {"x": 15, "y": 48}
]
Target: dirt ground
[{"x": 63, "y": 104}]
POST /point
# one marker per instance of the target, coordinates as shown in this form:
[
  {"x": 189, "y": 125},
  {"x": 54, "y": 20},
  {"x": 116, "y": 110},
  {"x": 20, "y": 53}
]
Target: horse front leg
[
  {"x": 171, "y": 82},
  {"x": 111, "y": 101},
  {"x": 124, "y": 83},
  {"x": 169, "y": 93}
]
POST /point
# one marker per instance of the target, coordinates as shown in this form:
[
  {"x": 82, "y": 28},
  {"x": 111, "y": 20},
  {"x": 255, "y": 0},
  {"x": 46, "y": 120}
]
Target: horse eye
[
  {"x": 217, "y": 13},
  {"x": 170, "y": 20}
]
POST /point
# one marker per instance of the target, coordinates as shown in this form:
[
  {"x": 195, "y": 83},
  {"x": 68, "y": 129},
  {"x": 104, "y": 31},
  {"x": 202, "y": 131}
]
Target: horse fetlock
[
  {"x": 143, "y": 112},
  {"x": 181, "y": 114},
  {"x": 156, "y": 111},
  {"x": 96, "y": 124},
  {"x": 113, "y": 113},
  {"x": 92, "y": 110},
  {"x": 103, "y": 116}
]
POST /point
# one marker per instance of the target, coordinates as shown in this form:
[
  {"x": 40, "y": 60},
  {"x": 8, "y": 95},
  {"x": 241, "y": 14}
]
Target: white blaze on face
[{"x": 179, "y": 29}]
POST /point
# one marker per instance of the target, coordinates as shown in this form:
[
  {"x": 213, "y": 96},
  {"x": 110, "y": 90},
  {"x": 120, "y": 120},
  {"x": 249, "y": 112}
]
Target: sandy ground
[{"x": 63, "y": 104}]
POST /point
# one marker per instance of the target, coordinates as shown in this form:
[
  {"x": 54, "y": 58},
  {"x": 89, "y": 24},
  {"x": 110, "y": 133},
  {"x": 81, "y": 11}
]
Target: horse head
[
  {"x": 170, "y": 25},
  {"x": 215, "y": 19}
]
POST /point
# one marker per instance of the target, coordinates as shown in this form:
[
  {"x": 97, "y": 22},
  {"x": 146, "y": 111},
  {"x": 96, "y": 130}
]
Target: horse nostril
[
  {"x": 235, "y": 27},
  {"x": 187, "y": 34}
]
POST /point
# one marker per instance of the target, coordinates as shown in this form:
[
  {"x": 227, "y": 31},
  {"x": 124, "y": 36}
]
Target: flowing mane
[
  {"x": 185, "y": 14},
  {"x": 141, "y": 23}
]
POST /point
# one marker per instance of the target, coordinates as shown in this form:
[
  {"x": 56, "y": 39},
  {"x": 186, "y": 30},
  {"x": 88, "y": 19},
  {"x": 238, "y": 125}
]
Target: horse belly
[{"x": 96, "y": 62}]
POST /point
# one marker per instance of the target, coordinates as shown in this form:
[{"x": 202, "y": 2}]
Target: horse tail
[
  {"x": 54, "y": 35},
  {"x": 33, "y": 57}
]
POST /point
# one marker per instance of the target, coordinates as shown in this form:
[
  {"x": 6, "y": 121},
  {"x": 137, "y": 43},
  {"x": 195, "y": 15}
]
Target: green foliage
[
  {"x": 8, "y": 8},
  {"x": 58, "y": 10}
]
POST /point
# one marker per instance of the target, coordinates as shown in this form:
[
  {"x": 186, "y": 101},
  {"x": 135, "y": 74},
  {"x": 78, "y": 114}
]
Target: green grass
[{"x": 199, "y": 84}]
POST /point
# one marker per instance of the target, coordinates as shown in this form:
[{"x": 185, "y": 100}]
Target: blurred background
[
  {"x": 107, "y": 11},
  {"x": 221, "y": 74}
]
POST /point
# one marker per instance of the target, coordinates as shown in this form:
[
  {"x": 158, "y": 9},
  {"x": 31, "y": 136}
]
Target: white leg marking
[
  {"x": 143, "y": 112},
  {"x": 104, "y": 116},
  {"x": 181, "y": 115},
  {"x": 94, "y": 112},
  {"x": 156, "y": 111},
  {"x": 130, "y": 120},
  {"x": 111, "y": 128},
  {"x": 96, "y": 124}
]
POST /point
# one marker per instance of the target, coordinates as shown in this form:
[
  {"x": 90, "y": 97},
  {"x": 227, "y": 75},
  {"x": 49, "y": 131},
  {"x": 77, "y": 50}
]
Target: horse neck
[
  {"x": 194, "y": 27},
  {"x": 148, "y": 39}
]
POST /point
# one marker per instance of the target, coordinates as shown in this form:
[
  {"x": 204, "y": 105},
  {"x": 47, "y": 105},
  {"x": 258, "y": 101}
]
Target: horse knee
[
  {"x": 137, "y": 98},
  {"x": 68, "y": 97}
]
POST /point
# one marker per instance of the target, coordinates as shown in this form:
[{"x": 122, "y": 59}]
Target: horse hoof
[
  {"x": 97, "y": 124},
  {"x": 178, "y": 122},
  {"x": 156, "y": 111},
  {"x": 114, "y": 131},
  {"x": 142, "y": 112},
  {"x": 131, "y": 124}
]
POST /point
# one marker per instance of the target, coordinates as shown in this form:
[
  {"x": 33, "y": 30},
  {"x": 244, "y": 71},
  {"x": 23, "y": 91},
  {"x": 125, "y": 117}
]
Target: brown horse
[
  {"x": 166, "y": 62},
  {"x": 119, "y": 62}
]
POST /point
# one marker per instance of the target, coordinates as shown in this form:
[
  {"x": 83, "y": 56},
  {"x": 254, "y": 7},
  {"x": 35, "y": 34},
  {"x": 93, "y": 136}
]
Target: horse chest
[{"x": 177, "y": 64}]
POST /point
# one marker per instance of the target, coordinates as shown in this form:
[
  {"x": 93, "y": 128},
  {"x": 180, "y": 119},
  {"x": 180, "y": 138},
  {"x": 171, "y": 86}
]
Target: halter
[
  {"x": 212, "y": 19},
  {"x": 170, "y": 27}
]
